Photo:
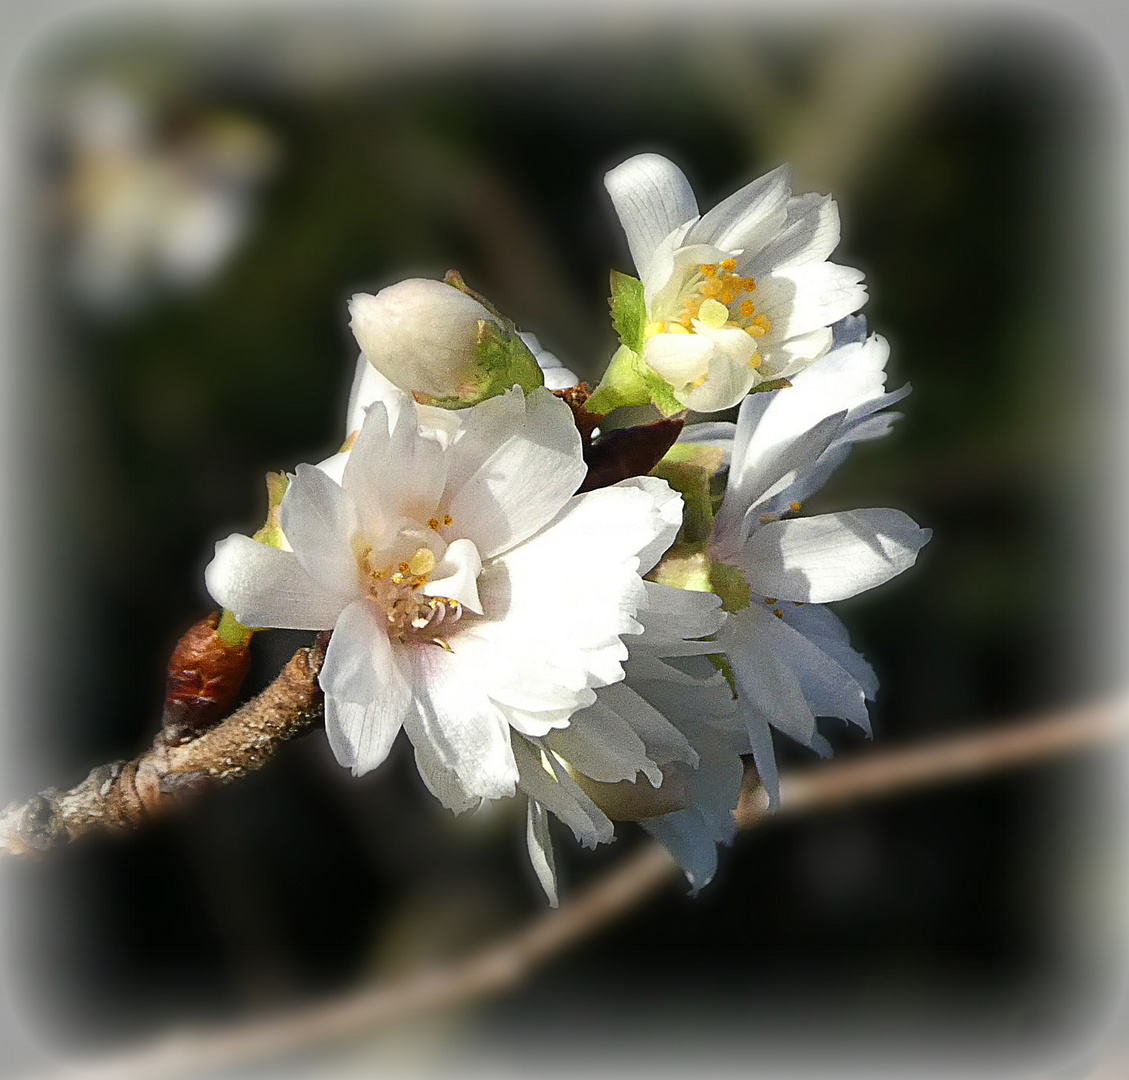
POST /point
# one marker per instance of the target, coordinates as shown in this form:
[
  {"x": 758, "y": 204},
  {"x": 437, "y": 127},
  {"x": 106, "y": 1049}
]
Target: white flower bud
[
  {"x": 437, "y": 342},
  {"x": 422, "y": 335}
]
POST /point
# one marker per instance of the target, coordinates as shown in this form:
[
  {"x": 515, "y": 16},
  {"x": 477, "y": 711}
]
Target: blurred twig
[{"x": 503, "y": 966}]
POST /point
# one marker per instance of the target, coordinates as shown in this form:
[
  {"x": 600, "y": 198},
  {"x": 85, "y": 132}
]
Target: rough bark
[{"x": 123, "y": 794}]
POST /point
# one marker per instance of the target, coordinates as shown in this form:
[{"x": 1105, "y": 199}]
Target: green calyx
[
  {"x": 628, "y": 381},
  {"x": 690, "y": 470},
  {"x": 689, "y": 566},
  {"x": 501, "y": 359}
]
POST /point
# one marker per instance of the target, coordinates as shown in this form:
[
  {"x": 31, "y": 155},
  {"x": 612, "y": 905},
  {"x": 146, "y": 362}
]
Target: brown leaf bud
[{"x": 204, "y": 677}]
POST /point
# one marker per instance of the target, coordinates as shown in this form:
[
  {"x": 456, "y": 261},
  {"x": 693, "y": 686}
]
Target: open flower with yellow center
[
  {"x": 474, "y": 599},
  {"x": 738, "y": 296}
]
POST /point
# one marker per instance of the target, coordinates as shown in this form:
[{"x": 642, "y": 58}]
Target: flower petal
[
  {"x": 831, "y": 556},
  {"x": 367, "y": 691},
  {"x": 749, "y": 218},
  {"x": 393, "y": 472},
  {"x": 514, "y": 466},
  {"x": 456, "y": 576},
  {"x": 799, "y": 299},
  {"x": 319, "y": 519},
  {"x": 540, "y": 846},
  {"x": 262, "y": 586},
  {"x": 652, "y": 197},
  {"x": 558, "y": 792},
  {"x": 455, "y": 716},
  {"x": 809, "y": 234}
]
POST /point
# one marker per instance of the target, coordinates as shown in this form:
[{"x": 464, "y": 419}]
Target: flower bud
[{"x": 440, "y": 344}]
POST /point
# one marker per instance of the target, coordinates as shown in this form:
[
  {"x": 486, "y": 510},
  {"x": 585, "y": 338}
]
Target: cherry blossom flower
[
  {"x": 730, "y": 299},
  {"x": 475, "y": 600}
]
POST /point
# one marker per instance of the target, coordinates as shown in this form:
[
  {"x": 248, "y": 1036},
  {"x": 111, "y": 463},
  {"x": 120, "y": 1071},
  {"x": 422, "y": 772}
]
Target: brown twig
[
  {"x": 124, "y": 793},
  {"x": 504, "y": 965}
]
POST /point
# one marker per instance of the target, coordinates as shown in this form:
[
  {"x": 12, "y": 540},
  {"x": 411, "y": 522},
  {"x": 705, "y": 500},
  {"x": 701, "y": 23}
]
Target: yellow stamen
[
  {"x": 447, "y": 519},
  {"x": 728, "y": 264},
  {"x": 707, "y": 270},
  {"x": 748, "y": 284},
  {"x": 433, "y": 523},
  {"x": 746, "y": 309},
  {"x": 770, "y": 600},
  {"x": 794, "y": 507},
  {"x": 778, "y": 613},
  {"x": 755, "y": 361}
]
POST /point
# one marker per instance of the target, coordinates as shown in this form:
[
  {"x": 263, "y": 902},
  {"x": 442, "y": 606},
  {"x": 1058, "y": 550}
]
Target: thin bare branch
[
  {"x": 504, "y": 965},
  {"x": 123, "y": 794}
]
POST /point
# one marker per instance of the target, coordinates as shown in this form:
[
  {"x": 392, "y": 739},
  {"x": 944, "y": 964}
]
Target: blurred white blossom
[{"x": 154, "y": 204}]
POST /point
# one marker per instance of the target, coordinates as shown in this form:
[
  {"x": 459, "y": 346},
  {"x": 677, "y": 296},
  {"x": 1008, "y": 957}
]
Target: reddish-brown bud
[
  {"x": 631, "y": 451},
  {"x": 575, "y": 397},
  {"x": 204, "y": 677}
]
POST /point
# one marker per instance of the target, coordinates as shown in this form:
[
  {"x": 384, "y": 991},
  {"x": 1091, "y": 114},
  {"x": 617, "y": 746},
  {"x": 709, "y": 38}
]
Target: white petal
[
  {"x": 691, "y": 835},
  {"x": 671, "y": 616},
  {"x": 367, "y": 692},
  {"x": 558, "y": 792},
  {"x": 772, "y": 468},
  {"x": 557, "y": 376},
  {"x": 454, "y": 715},
  {"x": 750, "y": 217},
  {"x": 799, "y": 299},
  {"x": 831, "y": 556},
  {"x": 442, "y": 782},
  {"x": 809, "y": 234},
  {"x": 652, "y": 197},
  {"x": 665, "y": 514},
  {"x": 828, "y": 688},
  {"x": 727, "y": 382},
  {"x": 680, "y": 359},
  {"x": 515, "y": 465},
  {"x": 823, "y": 627},
  {"x": 766, "y": 683},
  {"x": 785, "y": 358},
  {"x": 319, "y": 520},
  {"x": 456, "y": 576},
  {"x": 369, "y": 387},
  {"x": 262, "y": 586},
  {"x": 393, "y": 472},
  {"x": 540, "y": 846}
]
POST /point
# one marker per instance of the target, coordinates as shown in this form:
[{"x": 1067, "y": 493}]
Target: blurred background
[{"x": 197, "y": 198}]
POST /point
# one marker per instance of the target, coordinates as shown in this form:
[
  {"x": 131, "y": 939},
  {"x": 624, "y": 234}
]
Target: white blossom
[
  {"x": 790, "y": 655},
  {"x": 474, "y": 600},
  {"x": 739, "y": 295}
]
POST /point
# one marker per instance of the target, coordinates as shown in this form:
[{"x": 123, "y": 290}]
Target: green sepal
[
  {"x": 770, "y": 384},
  {"x": 629, "y": 382},
  {"x": 721, "y": 662},
  {"x": 730, "y": 584},
  {"x": 501, "y": 361},
  {"x": 689, "y": 566},
  {"x": 688, "y": 469},
  {"x": 271, "y": 532},
  {"x": 629, "y": 310},
  {"x": 231, "y": 633}
]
